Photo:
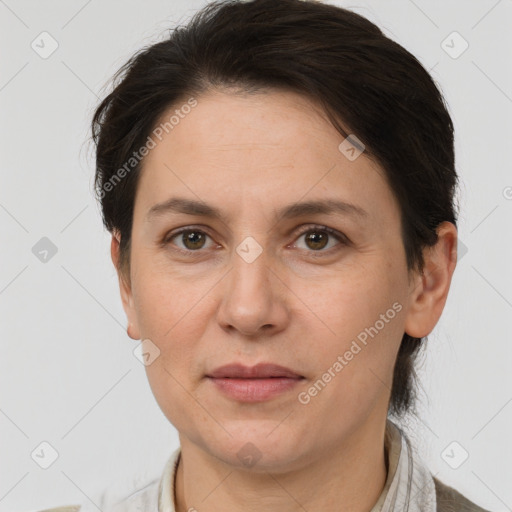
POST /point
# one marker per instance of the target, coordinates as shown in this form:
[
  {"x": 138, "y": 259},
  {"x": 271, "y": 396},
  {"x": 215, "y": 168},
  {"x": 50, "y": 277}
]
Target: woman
[{"x": 278, "y": 178}]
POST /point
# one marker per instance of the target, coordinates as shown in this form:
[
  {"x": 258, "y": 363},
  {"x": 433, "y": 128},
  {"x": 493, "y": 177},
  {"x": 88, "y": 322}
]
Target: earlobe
[
  {"x": 429, "y": 291},
  {"x": 133, "y": 334},
  {"x": 124, "y": 288}
]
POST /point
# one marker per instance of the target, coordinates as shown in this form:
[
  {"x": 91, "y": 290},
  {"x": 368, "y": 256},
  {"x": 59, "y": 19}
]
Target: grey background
[{"x": 68, "y": 375}]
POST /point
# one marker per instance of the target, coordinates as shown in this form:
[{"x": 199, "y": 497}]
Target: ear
[
  {"x": 429, "y": 290},
  {"x": 125, "y": 289}
]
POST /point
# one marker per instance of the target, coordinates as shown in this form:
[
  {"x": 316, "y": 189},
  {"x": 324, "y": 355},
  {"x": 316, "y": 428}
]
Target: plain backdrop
[{"x": 68, "y": 374}]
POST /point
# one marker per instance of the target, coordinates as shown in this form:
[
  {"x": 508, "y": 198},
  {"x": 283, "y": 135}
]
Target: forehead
[
  {"x": 239, "y": 120},
  {"x": 276, "y": 145}
]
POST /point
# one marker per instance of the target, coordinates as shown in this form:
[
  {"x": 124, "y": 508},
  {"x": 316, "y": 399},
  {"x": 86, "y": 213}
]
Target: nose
[{"x": 254, "y": 298}]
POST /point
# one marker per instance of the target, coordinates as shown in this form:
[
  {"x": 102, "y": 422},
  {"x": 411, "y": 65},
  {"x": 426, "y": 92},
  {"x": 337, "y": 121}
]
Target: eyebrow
[{"x": 179, "y": 205}]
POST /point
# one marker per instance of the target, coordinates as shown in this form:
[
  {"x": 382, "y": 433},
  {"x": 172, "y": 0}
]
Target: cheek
[
  {"x": 168, "y": 314},
  {"x": 163, "y": 300},
  {"x": 347, "y": 302},
  {"x": 361, "y": 316},
  {"x": 166, "y": 317}
]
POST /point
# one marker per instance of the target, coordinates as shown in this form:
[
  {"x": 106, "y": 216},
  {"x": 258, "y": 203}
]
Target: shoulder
[
  {"x": 145, "y": 499},
  {"x": 450, "y": 500}
]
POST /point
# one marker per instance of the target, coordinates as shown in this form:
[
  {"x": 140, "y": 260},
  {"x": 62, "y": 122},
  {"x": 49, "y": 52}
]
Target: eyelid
[
  {"x": 341, "y": 237},
  {"x": 178, "y": 231}
]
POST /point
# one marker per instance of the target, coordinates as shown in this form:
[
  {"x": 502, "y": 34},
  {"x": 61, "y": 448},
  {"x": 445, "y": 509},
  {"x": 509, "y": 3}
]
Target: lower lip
[{"x": 254, "y": 390}]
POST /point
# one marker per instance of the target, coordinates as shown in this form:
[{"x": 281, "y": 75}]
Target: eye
[
  {"x": 316, "y": 238},
  {"x": 192, "y": 239}
]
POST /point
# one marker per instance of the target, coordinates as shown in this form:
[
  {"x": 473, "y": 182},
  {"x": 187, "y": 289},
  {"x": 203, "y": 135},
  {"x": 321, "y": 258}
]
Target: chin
[{"x": 257, "y": 448}]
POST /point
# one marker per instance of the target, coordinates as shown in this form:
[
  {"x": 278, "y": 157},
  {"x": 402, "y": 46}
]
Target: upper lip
[{"x": 259, "y": 371}]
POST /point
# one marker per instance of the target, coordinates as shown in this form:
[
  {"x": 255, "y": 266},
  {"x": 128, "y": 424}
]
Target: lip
[
  {"x": 253, "y": 383},
  {"x": 259, "y": 371}
]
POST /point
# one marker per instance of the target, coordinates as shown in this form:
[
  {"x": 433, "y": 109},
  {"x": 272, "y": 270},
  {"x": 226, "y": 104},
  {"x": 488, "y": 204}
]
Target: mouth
[
  {"x": 259, "y": 371},
  {"x": 254, "y": 384}
]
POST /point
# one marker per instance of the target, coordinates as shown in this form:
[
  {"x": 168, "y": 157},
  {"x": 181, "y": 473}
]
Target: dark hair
[{"x": 367, "y": 84}]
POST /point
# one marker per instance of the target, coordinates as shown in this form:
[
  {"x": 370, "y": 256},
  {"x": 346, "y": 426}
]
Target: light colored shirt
[{"x": 409, "y": 485}]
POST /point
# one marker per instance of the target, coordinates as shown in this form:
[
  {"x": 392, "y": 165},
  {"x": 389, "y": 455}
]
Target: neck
[{"x": 352, "y": 473}]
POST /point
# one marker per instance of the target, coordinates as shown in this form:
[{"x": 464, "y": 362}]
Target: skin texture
[{"x": 297, "y": 304}]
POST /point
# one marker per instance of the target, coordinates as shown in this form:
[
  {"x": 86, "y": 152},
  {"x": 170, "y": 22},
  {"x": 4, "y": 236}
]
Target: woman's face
[{"x": 254, "y": 286}]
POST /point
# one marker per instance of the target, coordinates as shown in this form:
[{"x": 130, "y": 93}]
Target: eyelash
[{"x": 340, "y": 237}]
